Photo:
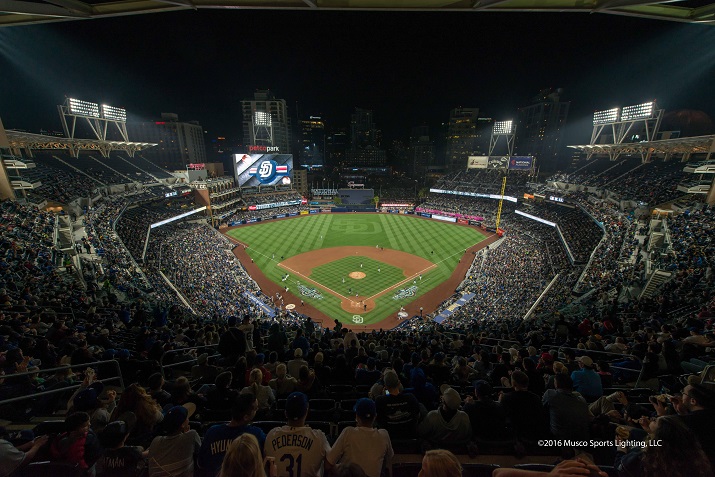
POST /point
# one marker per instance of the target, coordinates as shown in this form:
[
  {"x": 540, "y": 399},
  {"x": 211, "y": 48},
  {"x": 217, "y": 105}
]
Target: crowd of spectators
[
  {"x": 484, "y": 181},
  {"x": 485, "y": 375}
]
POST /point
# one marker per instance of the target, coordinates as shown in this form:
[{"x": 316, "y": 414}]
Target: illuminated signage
[
  {"x": 196, "y": 167},
  {"x": 556, "y": 199},
  {"x": 260, "y": 148}
]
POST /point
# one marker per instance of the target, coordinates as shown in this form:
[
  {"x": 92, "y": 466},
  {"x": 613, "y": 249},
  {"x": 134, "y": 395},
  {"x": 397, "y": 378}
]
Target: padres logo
[
  {"x": 357, "y": 319},
  {"x": 267, "y": 171}
]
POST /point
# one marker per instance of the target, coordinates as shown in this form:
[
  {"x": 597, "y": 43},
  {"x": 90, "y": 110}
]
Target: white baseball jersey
[{"x": 298, "y": 451}]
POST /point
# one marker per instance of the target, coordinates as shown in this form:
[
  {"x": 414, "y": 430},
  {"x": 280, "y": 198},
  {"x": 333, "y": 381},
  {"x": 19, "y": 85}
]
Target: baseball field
[{"x": 357, "y": 268}]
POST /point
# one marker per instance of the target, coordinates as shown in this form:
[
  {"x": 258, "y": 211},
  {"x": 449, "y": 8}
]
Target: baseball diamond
[{"x": 367, "y": 265}]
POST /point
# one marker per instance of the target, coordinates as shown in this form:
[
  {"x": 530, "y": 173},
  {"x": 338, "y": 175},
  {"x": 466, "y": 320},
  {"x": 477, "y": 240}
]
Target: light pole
[{"x": 416, "y": 190}]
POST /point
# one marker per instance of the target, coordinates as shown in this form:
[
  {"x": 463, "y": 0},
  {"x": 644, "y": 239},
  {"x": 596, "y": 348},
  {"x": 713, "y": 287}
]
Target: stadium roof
[
  {"x": 25, "y": 12},
  {"x": 24, "y": 140},
  {"x": 692, "y": 145}
]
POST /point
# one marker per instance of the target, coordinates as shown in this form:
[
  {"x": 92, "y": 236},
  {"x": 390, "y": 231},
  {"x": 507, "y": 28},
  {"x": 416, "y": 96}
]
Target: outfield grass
[{"x": 440, "y": 243}]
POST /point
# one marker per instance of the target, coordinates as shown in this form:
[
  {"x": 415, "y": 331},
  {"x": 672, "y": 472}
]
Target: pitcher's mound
[{"x": 357, "y": 275}]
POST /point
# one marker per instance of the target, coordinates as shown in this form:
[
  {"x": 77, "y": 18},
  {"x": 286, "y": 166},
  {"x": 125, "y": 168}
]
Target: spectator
[
  {"x": 440, "y": 463},
  {"x": 203, "y": 371},
  {"x": 134, "y": 399},
  {"x": 282, "y": 385},
  {"x": 586, "y": 380},
  {"x": 569, "y": 416},
  {"x": 119, "y": 460},
  {"x": 524, "y": 409},
  {"x": 157, "y": 391},
  {"x": 447, "y": 425},
  {"x": 217, "y": 440},
  {"x": 243, "y": 458},
  {"x": 262, "y": 393},
  {"x": 173, "y": 455},
  {"x": 696, "y": 406},
  {"x": 487, "y": 417},
  {"x": 12, "y": 458},
  {"x": 221, "y": 396},
  {"x": 296, "y": 444},
  {"x": 397, "y": 412},
  {"x": 677, "y": 454},
  {"x": 295, "y": 363},
  {"x": 78, "y": 445},
  {"x": 363, "y": 445}
]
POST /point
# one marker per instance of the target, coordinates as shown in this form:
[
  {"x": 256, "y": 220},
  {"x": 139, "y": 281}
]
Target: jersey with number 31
[{"x": 298, "y": 451}]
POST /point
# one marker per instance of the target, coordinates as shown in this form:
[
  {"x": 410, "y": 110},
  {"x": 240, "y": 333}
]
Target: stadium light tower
[
  {"x": 621, "y": 122},
  {"x": 505, "y": 129},
  {"x": 97, "y": 118},
  {"x": 263, "y": 127}
]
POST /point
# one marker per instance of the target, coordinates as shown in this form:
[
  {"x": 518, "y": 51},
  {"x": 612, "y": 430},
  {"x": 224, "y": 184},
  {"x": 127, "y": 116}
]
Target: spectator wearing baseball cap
[
  {"x": 586, "y": 380},
  {"x": 487, "y": 416},
  {"x": 363, "y": 445},
  {"x": 296, "y": 442},
  {"x": 118, "y": 459},
  {"x": 397, "y": 412},
  {"x": 174, "y": 453},
  {"x": 447, "y": 425}
]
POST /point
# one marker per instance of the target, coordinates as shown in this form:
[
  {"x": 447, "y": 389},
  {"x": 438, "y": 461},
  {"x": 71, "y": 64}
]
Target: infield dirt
[{"x": 429, "y": 301}]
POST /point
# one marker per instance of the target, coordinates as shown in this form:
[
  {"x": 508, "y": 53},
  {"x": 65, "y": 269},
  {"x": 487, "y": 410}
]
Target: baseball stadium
[{"x": 259, "y": 317}]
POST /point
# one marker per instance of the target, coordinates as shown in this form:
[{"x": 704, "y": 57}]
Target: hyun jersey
[{"x": 298, "y": 451}]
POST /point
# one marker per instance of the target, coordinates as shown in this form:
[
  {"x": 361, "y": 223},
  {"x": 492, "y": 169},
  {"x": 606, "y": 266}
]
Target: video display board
[{"x": 253, "y": 170}]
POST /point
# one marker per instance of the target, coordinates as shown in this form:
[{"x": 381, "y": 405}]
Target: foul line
[
  {"x": 316, "y": 283},
  {"x": 280, "y": 264}
]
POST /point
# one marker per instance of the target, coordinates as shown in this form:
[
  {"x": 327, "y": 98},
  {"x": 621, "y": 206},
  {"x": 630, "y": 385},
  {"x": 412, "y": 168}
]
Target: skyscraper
[
  {"x": 421, "y": 152},
  {"x": 266, "y": 122},
  {"x": 178, "y": 143},
  {"x": 539, "y": 130},
  {"x": 461, "y": 137},
  {"x": 365, "y": 139},
  {"x": 312, "y": 142}
]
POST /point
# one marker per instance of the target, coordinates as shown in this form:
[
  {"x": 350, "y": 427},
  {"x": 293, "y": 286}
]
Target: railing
[
  {"x": 615, "y": 355},
  {"x": 67, "y": 388},
  {"x": 186, "y": 351}
]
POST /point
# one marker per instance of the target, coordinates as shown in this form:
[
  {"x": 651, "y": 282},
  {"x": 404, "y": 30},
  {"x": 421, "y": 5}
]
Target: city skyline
[{"x": 329, "y": 63}]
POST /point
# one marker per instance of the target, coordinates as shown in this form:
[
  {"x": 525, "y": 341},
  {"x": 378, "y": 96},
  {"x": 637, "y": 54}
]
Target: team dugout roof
[{"x": 24, "y": 12}]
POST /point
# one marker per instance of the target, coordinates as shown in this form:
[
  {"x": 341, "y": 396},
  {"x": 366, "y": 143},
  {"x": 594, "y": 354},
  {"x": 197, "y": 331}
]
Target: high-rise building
[
  {"x": 266, "y": 122},
  {"x": 462, "y": 137},
  {"x": 363, "y": 132},
  {"x": 178, "y": 143},
  {"x": 337, "y": 142},
  {"x": 365, "y": 139},
  {"x": 540, "y": 127},
  {"x": 312, "y": 142},
  {"x": 421, "y": 152}
]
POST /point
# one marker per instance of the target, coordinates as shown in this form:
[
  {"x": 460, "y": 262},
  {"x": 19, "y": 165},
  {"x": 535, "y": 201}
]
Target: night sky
[{"x": 411, "y": 68}]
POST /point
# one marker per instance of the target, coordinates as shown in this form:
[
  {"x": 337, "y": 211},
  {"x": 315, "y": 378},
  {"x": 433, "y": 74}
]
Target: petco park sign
[{"x": 264, "y": 149}]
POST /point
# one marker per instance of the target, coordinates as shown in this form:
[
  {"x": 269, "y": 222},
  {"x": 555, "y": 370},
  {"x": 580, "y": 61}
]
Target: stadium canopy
[
  {"x": 686, "y": 146},
  {"x": 25, "y": 12},
  {"x": 22, "y": 140}
]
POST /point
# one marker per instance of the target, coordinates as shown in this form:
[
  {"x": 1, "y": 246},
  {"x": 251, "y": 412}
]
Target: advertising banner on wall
[
  {"x": 477, "y": 162},
  {"x": 520, "y": 163},
  {"x": 498, "y": 162}
]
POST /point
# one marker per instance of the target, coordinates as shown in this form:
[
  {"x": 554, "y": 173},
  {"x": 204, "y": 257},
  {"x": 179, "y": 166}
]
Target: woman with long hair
[
  {"x": 440, "y": 463},
  {"x": 263, "y": 394},
  {"x": 673, "y": 451},
  {"x": 148, "y": 413},
  {"x": 243, "y": 459}
]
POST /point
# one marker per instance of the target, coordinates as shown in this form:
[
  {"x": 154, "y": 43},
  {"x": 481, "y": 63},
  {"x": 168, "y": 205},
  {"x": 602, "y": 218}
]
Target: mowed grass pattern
[
  {"x": 441, "y": 243},
  {"x": 333, "y": 275}
]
